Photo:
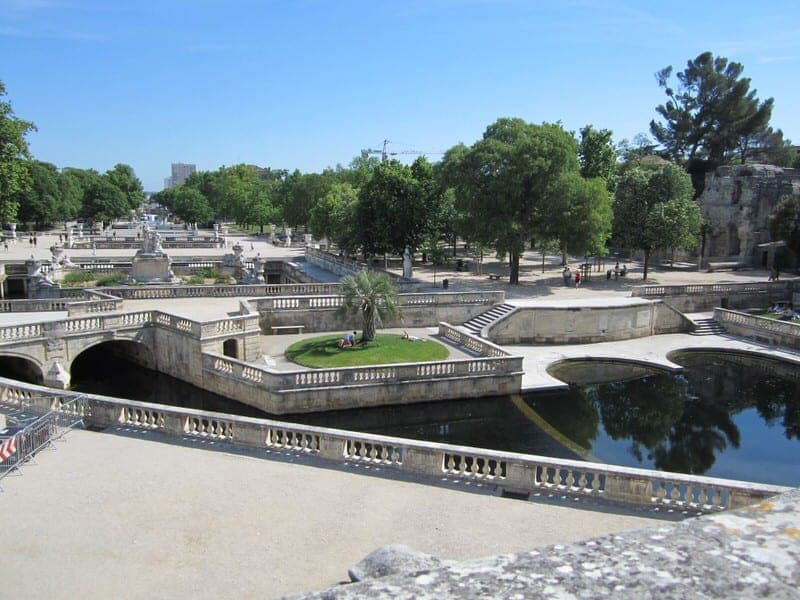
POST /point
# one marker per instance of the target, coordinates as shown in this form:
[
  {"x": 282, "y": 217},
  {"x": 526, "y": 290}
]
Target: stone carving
[{"x": 407, "y": 269}]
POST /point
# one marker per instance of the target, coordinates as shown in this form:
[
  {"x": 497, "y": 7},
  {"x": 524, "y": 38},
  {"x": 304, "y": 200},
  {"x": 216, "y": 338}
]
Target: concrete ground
[{"x": 130, "y": 514}]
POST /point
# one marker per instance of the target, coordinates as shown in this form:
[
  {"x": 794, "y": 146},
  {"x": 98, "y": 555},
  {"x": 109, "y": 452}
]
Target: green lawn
[{"x": 323, "y": 352}]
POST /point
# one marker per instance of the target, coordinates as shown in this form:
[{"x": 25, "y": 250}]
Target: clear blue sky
[{"x": 307, "y": 84}]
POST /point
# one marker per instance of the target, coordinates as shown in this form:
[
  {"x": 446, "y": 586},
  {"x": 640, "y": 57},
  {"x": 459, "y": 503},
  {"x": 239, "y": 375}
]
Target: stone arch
[
  {"x": 21, "y": 368},
  {"x": 92, "y": 356},
  {"x": 230, "y": 348}
]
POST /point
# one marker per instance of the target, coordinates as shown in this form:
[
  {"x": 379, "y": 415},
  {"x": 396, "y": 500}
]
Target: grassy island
[{"x": 324, "y": 353}]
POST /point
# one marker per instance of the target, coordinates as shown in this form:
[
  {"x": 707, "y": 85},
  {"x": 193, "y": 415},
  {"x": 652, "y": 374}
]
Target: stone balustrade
[
  {"x": 472, "y": 342},
  {"x": 404, "y": 300},
  {"x": 283, "y": 381},
  {"x": 42, "y": 305},
  {"x": 341, "y": 265},
  {"x": 762, "y": 329},
  {"x": 114, "y": 322},
  {"x": 520, "y": 473},
  {"x": 701, "y": 298}
]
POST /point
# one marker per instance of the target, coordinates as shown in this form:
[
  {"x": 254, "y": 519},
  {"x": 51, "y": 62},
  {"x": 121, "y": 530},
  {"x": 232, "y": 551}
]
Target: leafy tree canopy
[
  {"x": 708, "y": 114},
  {"x": 14, "y": 176},
  {"x": 653, "y": 209},
  {"x": 507, "y": 182}
]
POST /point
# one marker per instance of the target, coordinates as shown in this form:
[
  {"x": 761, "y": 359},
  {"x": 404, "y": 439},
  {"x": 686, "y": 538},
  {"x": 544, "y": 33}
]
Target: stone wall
[
  {"x": 320, "y": 313},
  {"x": 737, "y": 201},
  {"x": 582, "y": 325}
]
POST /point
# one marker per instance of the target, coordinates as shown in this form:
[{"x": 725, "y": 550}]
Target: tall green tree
[
  {"x": 102, "y": 200},
  {"x": 784, "y": 222},
  {"x": 653, "y": 209},
  {"x": 707, "y": 114},
  {"x": 123, "y": 177},
  {"x": 597, "y": 155},
  {"x": 506, "y": 181},
  {"x": 42, "y": 203},
  {"x": 391, "y": 213},
  {"x": 190, "y": 206},
  {"x": 334, "y": 217},
  {"x": 371, "y": 295},
  {"x": 14, "y": 179},
  {"x": 580, "y": 216}
]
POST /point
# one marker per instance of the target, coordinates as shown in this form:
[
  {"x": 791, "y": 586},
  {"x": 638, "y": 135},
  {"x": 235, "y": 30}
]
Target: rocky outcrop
[{"x": 736, "y": 202}]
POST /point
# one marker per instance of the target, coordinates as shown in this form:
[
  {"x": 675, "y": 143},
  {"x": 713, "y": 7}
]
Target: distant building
[{"x": 180, "y": 173}]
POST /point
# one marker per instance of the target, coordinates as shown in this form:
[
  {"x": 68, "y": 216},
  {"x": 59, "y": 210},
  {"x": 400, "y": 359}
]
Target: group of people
[
  {"x": 785, "y": 311},
  {"x": 617, "y": 271},
  {"x": 348, "y": 340},
  {"x": 568, "y": 276}
]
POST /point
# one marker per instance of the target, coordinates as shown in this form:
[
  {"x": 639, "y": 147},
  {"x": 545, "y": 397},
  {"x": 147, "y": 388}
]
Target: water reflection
[
  {"x": 690, "y": 422},
  {"x": 725, "y": 415}
]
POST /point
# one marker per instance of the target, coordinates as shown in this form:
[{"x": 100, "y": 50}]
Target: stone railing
[
  {"x": 472, "y": 342},
  {"x": 506, "y": 470},
  {"x": 405, "y": 300},
  {"x": 283, "y": 381},
  {"x": 115, "y": 322},
  {"x": 772, "y": 331},
  {"x": 43, "y": 305},
  {"x": 340, "y": 264},
  {"x": 712, "y": 289},
  {"x": 152, "y": 292},
  {"x": 96, "y": 302}
]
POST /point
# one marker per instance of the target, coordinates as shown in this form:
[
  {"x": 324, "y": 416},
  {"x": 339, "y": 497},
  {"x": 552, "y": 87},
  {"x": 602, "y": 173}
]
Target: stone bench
[{"x": 279, "y": 329}]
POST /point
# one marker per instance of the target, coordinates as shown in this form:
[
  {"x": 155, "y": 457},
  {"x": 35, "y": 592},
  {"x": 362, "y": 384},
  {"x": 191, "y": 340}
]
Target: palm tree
[{"x": 373, "y": 296}]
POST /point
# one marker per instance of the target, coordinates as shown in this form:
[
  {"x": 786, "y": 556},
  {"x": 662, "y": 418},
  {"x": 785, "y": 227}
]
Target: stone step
[
  {"x": 707, "y": 327},
  {"x": 477, "y": 323}
]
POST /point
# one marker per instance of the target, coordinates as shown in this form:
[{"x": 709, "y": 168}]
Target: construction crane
[{"x": 366, "y": 152}]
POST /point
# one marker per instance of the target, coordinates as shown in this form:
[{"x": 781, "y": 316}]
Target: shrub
[
  {"x": 209, "y": 273},
  {"x": 76, "y": 278},
  {"x": 195, "y": 280},
  {"x": 114, "y": 278}
]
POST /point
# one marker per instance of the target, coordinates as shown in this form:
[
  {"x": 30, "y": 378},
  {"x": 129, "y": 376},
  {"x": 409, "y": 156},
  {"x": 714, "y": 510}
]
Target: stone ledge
[{"x": 751, "y": 552}]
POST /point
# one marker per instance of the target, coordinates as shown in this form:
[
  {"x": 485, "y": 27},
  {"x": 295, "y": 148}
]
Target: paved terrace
[{"x": 131, "y": 514}]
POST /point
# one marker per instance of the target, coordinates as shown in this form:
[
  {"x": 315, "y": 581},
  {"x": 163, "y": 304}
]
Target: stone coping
[{"x": 753, "y": 552}]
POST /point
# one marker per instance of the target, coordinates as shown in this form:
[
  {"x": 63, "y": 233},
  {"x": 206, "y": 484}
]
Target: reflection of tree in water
[
  {"x": 573, "y": 413},
  {"x": 745, "y": 385},
  {"x": 660, "y": 414}
]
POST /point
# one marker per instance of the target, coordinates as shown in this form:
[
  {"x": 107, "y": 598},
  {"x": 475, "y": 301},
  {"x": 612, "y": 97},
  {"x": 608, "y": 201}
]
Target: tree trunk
[
  {"x": 646, "y": 261},
  {"x": 702, "y": 249},
  {"x": 368, "y": 334},
  {"x": 514, "y": 264}
]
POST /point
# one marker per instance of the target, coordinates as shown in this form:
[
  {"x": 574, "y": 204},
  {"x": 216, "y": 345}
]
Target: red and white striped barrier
[{"x": 8, "y": 448}]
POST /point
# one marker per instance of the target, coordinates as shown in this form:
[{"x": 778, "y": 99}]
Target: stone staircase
[
  {"x": 476, "y": 324},
  {"x": 707, "y": 326}
]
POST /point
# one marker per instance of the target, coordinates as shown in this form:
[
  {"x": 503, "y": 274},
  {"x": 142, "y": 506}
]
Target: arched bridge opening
[
  {"x": 21, "y": 369},
  {"x": 108, "y": 367}
]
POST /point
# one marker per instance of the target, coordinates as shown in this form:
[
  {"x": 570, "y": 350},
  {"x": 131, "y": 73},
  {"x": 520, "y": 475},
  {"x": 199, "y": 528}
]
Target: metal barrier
[{"x": 39, "y": 430}]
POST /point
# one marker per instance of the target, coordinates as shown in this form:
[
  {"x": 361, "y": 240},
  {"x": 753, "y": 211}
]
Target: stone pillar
[{"x": 57, "y": 376}]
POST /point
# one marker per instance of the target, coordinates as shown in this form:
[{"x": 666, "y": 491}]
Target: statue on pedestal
[{"x": 407, "y": 269}]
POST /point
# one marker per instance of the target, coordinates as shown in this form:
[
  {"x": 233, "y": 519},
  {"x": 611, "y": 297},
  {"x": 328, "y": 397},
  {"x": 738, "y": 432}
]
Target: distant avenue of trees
[{"x": 520, "y": 184}]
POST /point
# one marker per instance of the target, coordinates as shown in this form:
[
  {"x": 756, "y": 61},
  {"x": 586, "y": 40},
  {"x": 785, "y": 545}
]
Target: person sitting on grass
[
  {"x": 411, "y": 338},
  {"x": 348, "y": 341}
]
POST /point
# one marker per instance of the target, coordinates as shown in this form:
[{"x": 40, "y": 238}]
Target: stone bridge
[{"x": 173, "y": 345}]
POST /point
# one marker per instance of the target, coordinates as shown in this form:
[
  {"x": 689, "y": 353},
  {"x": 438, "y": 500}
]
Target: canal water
[{"x": 725, "y": 415}]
